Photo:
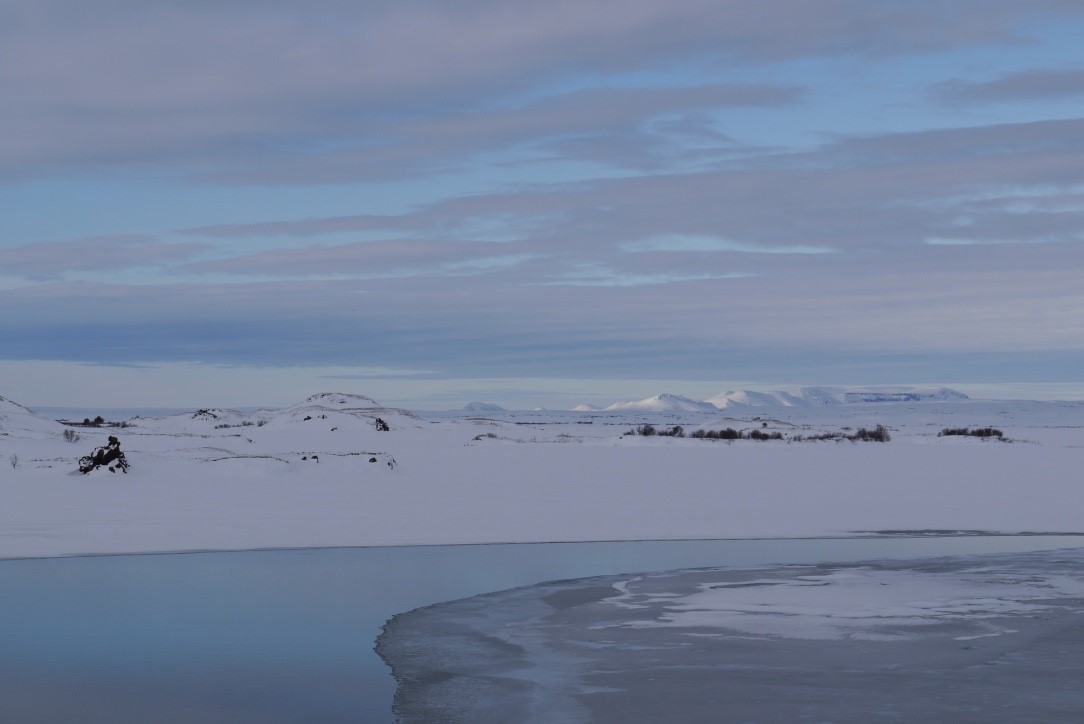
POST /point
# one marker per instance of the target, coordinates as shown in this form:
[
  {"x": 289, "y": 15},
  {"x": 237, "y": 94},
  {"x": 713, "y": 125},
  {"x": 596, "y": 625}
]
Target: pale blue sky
[{"x": 433, "y": 202}]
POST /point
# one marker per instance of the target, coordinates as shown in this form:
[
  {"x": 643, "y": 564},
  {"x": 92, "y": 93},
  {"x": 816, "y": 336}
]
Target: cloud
[
  {"x": 870, "y": 195},
  {"x": 853, "y": 192},
  {"x": 584, "y": 189},
  {"x": 915, "y": 303},
  {"x": 596, "y": 275},
  {"x": 268, "y": 92},
  {"x": 371, "y": 259},
  {"x": 51, "y": 260},
  {"x": 679, "y": 243},
  {"x": 1031, "y": 85},
  {"x": 641, "y": 127},
  {"x": 368, "y": 373},
  {"x": 299, "y": 228}
]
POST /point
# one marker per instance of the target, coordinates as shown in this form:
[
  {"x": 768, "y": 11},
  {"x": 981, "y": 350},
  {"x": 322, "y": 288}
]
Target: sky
[{"x": 537, "y": 204}]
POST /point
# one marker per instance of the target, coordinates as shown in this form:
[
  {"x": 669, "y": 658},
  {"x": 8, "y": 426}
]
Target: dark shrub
[
  {"x": 877, "y": 434},
  {"x": 758, "y": 435},
  {"x": 983, "y": 432},
  {"x": 732, "y": 434}
]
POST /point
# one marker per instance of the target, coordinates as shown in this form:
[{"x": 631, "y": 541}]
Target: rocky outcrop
[{"x": 109, "y": 456}]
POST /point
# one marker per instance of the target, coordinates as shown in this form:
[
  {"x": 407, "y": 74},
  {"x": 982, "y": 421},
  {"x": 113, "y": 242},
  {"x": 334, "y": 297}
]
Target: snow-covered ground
[{"x": 323, "y": 473}]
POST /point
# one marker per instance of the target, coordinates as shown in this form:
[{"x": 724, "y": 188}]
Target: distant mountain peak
[
  {"x": 819, "y": 396},
  {"x": 665, "y": 402},
  {"x": 482, "y": 407}
]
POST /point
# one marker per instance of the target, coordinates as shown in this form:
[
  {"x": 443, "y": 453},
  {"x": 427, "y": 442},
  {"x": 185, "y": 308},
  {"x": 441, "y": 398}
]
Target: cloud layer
[{"x": 827, "y": 191}]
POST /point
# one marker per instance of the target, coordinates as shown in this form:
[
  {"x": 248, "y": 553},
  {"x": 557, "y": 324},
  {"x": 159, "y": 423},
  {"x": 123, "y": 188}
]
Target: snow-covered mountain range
[{"x": 796, "y": 397}]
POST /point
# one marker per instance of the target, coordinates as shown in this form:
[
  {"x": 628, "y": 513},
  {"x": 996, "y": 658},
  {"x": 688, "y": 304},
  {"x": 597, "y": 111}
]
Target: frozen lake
[{"x": 287, "y": 635}]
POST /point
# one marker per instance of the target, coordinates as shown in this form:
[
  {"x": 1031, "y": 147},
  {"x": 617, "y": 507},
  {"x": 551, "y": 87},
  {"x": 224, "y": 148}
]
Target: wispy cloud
[
  {"x": 371, "y": 259},
  {"x": 1030, "y": 85},
  {"x": 678, "y": 243},
  {"x": 53, "y": 260}
]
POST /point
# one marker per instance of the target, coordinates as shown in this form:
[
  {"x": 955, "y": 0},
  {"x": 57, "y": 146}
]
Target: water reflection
[{"x": 287, "y": 636}]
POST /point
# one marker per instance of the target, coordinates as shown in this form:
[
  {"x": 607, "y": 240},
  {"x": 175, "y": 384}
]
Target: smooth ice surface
[
  {"x": 972, "y": 639},
  {"x": 854, "y": 603}
]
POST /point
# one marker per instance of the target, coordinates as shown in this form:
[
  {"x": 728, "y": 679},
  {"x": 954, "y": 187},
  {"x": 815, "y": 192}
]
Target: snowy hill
[
  {"x": 326, "y": 411},
  {"x": 19, "y": 421},
  {"x": 217, "y": 415},
  {"x": 329, "y": 410},
  {"x": 339, "y": 401},
  {"x": 202, "y": 421},
  {"x": 662, "y": 403}
]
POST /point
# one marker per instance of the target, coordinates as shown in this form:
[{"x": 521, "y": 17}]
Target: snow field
[{"x": 321, "y": 474}]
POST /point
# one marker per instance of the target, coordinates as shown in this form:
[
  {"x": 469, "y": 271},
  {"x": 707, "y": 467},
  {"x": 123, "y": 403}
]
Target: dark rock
[{"x": 109, "y": 456}]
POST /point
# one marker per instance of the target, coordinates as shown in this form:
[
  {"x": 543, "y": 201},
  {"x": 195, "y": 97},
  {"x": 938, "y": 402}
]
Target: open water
[{"x": 287, "y": 635}]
